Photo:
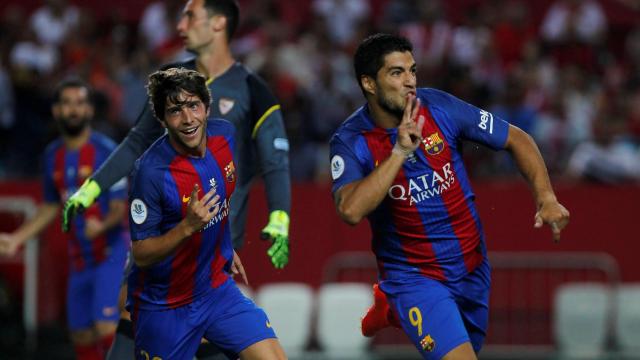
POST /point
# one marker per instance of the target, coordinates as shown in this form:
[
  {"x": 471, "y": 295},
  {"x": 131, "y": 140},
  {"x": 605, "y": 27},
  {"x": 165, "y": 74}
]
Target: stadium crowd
[{"x": 565, "y": 71}]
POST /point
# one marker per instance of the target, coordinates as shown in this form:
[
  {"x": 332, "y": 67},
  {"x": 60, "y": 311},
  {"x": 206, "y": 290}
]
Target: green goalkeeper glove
[
  {"x": 79, "y": 201},
  {"x": 277, "y": 231}
]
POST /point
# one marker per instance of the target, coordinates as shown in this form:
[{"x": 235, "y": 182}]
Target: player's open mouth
[{"x": 189, "y": 132}]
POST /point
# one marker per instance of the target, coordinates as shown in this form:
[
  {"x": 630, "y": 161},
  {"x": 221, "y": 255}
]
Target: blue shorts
[
  {"x": 439, "y": 316},
  {"x": 223, "y": 316},
  {"x": 92, "y": 294}
]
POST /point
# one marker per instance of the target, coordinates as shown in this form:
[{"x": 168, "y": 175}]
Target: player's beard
[
  {"x": 387, "y": 104},
  {"x": 72, "y": 127}
]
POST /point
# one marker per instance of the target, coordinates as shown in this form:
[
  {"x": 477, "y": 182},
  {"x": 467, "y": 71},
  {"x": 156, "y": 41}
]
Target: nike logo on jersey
[
  {"x": 268, "y": 324},
  {"x": 185, "y": 198}
]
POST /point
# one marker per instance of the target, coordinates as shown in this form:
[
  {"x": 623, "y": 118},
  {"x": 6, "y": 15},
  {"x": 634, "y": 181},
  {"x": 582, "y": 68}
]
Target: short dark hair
[
  {"x": 369, "y": 57},
  {"x": 227, "y": 8},
  {"x": 166, "y": 85},
  {"x": 71, "y": 82}
]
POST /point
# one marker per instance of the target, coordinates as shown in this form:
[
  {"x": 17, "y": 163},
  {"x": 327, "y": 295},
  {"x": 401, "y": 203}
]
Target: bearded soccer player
[
  {"x": 239, "y": 96},
  {"x": 180, "y": 285},
  {"x": 397, "y": 161},
  {"x": 97, "y": 245}
]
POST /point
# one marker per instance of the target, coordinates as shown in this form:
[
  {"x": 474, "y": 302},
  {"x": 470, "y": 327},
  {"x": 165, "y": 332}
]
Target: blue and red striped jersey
[
  {"x": 427, "y": 223},
  {"x": 65, "y": 171},
  {"x": 161, "y": 188}
]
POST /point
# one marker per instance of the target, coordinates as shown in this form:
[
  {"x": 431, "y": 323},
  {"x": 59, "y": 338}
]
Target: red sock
[
  {"x": 88, "y": 352},
  {"x": 379, "y": 315},
  {"x": 105, "y": 343}
]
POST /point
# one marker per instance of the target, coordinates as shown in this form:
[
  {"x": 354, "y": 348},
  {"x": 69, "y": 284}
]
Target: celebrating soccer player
[
  {"x": 397, "y": 160},
  {"x": 180, "y": 286}
]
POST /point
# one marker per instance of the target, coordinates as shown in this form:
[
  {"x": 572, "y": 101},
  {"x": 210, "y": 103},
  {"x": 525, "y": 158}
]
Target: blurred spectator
[
  {"x": 548, "y": 79},
  {"x": 513, "y": 31},
  {"x": 611, "y": 157},
  {"x": 158, "y": 27},
  {"x": 470, "y": 38},
  {"x": 574, "y": 30},
  {"x": 31, "y": 54},
  {"x": 342, "y": 17},
  {"x": 430, "y": 33},
  {"x": 579, "y": 96},
  {"x": 53, "y": 22},
  {"x": 581, "y": 20}
]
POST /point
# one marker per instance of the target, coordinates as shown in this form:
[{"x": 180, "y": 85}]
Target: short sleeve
[
  {"x": 473, "y": 123},
  {"x": 345, "y": 167},
  {"x": 145, "y": 215}
]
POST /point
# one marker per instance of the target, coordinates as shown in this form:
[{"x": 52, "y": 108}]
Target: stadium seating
[
  {"x": 340, "y": 306},
  {"x": 289, "y": 307},
  {"x": 627, "y": 321},
  {"x": 581, "y": 320}
]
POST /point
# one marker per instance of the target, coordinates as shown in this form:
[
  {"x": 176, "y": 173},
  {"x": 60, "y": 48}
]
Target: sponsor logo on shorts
[{"x": 427, "y": 343}]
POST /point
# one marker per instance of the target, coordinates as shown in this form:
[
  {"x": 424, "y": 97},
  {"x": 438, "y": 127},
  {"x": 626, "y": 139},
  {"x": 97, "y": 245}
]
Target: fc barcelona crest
[
  {"x": 230, "y": 172},
  {"x": 427, "y": 343},
  {"x": 433, "y": 144}
]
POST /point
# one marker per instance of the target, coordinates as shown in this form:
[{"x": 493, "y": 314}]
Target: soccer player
[
  {"x": 180, "y": 289},
  {"x": 97, "y": 245},
  {"x": 239, "y": 96},
  {"x": 397, "y": 161}
]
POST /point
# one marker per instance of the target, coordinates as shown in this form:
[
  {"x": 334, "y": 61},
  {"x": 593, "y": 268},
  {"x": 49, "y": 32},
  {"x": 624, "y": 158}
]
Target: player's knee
[
  {"x": 83, "y": 336},
  {"x": 104, "y": 328},
  {"x": 461, "y": 352},
  {"x": 268, "y": 349}
]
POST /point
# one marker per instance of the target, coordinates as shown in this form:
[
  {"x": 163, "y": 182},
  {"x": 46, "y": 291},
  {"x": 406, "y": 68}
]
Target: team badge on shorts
[
  {"x": 433, "y": 144},
  {"x": 427, "y": 343},
  {"x": 230, "y": 172}
]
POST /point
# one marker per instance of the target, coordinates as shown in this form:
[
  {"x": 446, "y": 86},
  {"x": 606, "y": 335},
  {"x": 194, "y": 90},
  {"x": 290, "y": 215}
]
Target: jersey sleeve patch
[
  {"x": 337, "y": 166},
  {"x": 281, "y": 144},
  {"x": 138, "y": 211}
]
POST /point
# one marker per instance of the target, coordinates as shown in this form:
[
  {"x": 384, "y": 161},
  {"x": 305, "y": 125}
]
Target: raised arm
[
  {"x": 530, "y": 163},
  {"x": 356, "y": 200}
]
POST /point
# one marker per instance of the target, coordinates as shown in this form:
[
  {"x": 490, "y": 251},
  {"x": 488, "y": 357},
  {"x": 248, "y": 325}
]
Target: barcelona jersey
[
  {"x": 427, "y": 224},
  {"x": 65, "y": 171},
  {"x": 161, "y": 188}
]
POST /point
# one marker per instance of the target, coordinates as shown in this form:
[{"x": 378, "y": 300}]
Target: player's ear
[
  {"x": 219, "y": 23},
  {"x": 368, "y": 84}
]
